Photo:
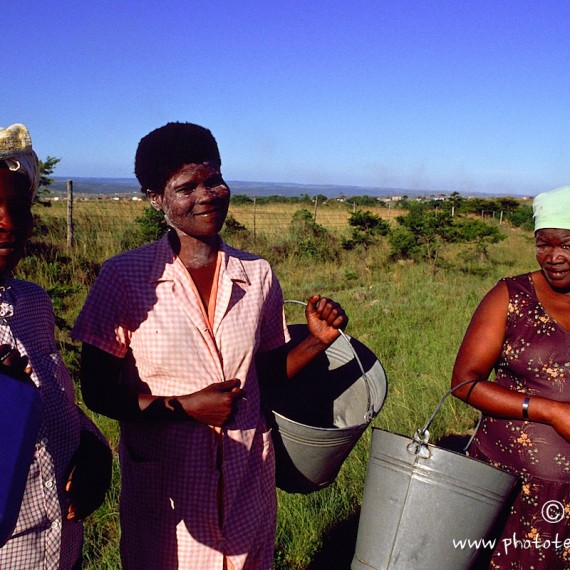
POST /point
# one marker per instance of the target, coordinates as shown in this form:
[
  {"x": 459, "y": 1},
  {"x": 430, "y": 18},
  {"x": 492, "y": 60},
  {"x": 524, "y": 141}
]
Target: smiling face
[
  {"x": 195, "y": 200},
  {"x": 15, "y": 218},
  {"x": 553, "y": 255}
]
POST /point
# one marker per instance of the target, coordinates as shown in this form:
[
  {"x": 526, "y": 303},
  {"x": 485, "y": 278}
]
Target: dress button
[
  {"x": 44, "y": 441},
  {"x": 49, "y": 484},
  {"x": 55, "y": 524}
]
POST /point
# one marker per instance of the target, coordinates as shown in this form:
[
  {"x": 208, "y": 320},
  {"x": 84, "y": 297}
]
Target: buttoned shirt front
[
  {"x": 143, "y": 308},
  {"x": 43, "y": 538}
]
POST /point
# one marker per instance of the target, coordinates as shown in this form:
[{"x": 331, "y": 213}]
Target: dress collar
[{"x": 163, "y": 268}]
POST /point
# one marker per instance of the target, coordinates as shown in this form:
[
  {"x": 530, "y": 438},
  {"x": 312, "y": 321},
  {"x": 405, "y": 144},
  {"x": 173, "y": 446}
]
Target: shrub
[
  {"x": 404, "y": 244},
  {"x": 478, "y": 232},
  {"x": 422, "y": 234},
  {"x": 241, "y": 199},
  {"x": 232, "y": 226},
  {"x": 148, "y": 227},
  {"x": 237, "y": 235},
  {"x": 523, "y": 217},
  {"x": 366, "y": 226},
  {"x": 368, "y": 222},
  {"x": 365, "y": 201},
  {"x": 306, "y": 238},
  {"x": 302, "y": 223}
]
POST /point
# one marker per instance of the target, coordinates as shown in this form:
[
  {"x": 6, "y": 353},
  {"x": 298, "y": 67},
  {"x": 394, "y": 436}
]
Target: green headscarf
[{"x": 552, "y": 209}]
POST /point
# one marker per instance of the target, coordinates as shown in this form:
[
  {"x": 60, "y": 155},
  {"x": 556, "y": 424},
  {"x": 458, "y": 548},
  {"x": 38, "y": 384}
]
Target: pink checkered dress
[
  {"x": 43, "y": 538},
  {"x": 143, "y": 307}
]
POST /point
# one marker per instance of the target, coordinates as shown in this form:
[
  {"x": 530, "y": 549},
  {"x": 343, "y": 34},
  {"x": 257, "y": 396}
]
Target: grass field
[{"x": 411, "y": 315}]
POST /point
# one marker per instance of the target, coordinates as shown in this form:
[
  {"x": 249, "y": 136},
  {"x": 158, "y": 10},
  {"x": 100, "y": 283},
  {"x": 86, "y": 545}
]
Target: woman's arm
[
  {"x": 324, "y": 319},
  {"x": 479, "y": 351},
  {"x": 103, "y": 392},
  {"x": 101, "y": 387}
]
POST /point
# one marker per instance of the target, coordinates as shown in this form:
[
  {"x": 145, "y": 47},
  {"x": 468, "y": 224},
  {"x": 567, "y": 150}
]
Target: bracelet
[{"x": 525, "y": 404}]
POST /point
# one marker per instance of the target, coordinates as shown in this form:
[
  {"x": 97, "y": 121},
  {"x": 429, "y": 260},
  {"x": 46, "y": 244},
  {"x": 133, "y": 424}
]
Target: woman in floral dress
[{"x": 521, "y": 329}]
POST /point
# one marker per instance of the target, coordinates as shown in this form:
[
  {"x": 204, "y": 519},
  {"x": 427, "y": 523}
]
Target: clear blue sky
[{"x": 439, "y": 95}]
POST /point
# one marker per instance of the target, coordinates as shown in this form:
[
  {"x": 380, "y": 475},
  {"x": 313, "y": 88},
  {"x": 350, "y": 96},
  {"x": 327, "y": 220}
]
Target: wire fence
[
  {"x": 106, "y": 220},
  {"x": 100, "y": 226},
  {"x": 275, "y": 219}
]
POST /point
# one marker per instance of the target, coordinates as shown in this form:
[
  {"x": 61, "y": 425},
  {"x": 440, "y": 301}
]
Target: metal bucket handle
[
  {"x": 369, "y": 415},
  {"x": 419, "y": 445}
]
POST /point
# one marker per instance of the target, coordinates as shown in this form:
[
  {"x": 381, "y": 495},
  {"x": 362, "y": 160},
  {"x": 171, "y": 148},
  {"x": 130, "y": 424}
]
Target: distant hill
[
  {"x": 129, "y": 186},
  {"x": 328, "y": 190},
  {"x": 122, "y": 186},
  {"x": 105, "y": 186}
]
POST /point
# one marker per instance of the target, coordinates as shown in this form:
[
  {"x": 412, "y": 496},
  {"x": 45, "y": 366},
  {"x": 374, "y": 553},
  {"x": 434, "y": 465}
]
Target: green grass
[
  {"x": 413, "y": 319},
  {"x": 411, "y": 315}
]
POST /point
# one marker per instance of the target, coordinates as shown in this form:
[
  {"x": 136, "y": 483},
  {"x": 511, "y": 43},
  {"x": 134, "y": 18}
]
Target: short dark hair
[{"x": 165, "y": 150}]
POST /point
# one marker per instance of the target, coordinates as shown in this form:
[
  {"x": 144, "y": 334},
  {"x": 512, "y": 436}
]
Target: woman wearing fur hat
[
  {"x": 71, "y": 466},
  {"x": 521, "y": 330}
]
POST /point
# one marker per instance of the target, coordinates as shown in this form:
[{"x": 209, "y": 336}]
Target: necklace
[{"x": 6, "y": 305}]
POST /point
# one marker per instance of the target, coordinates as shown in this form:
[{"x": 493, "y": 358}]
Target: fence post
[
  {"x": 70, "y": 231},
  {"x": 254, "y": 208},
  {"x": 316, "y": 206}
]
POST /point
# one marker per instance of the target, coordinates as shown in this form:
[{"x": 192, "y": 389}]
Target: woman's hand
[
  {"x": 560, "y": 418},
  {"x": 13, "y": 364},
  {"x": 89, "y": 478},
  {"x": 324, "y": 319},
  {"x": 213, "y": 405}
]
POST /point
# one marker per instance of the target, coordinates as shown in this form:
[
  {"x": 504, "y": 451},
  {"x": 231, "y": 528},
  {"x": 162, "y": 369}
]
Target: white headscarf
[
  {"x": 552, "y": 209},
  {"x": 16, "y": 151}
]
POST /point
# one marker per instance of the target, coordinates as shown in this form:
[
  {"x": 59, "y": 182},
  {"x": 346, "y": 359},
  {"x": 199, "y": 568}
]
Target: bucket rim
[
  {"x": 324, "y": 429},
  {"x": 374, "y": 404},
  {"x": 434, "y": 446},
  {"x": 370, "y": 414}
]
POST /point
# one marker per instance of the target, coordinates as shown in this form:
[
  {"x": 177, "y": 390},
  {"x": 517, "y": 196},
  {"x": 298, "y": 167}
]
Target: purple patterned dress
[{"x": 535, "y": 360}]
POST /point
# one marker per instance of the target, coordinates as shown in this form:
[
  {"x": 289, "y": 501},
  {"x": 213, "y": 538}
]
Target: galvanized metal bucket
[
  {"x": 319, "y": 416},
  {"x": 421, "y": 501}
]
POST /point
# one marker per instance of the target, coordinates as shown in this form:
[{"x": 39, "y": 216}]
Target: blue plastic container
[{"x": 20, "y": 417}]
